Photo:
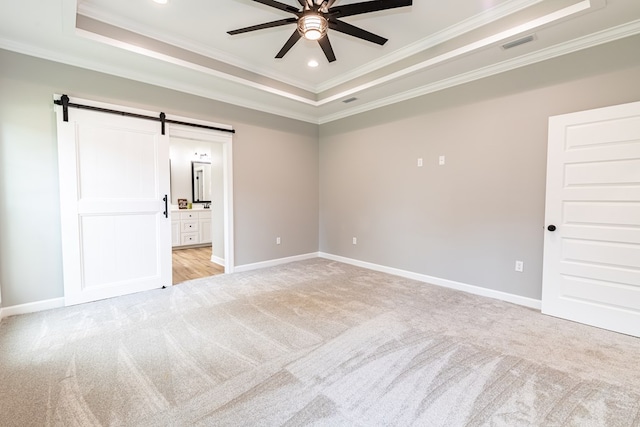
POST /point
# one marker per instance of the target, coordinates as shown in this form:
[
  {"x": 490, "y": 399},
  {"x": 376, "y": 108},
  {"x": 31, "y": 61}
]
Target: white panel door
[
  {"x": 592, "y": 259},
  {"x": 114, "y": 174}
]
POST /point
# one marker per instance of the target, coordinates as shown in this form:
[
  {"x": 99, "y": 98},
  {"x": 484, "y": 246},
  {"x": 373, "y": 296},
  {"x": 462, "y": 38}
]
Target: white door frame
[{"x": 226, "y": 139}]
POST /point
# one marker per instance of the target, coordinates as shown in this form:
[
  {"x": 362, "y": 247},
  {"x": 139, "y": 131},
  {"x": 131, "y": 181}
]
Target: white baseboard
[
  {"x": 274, "y": 262},
  {"x": 32, "y": 307},
  {"x": 217, "y": 260},
  {"x": 472, "y": 289}
]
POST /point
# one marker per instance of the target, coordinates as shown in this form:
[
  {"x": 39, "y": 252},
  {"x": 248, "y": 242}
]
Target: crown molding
[
  {"x": 193, "y": 66},
  {"x": 592, "y": 40},
  {"x": 463, "y": 50},
  {"x": 290, "y": 108},
  {"x": 622, "y": 31},
  {"x": 173, "y": 84},
  {"x": 477, "y": 21},
  {"x": 527, "y": 27},
  {"x": 186, "y": 44},
  {"x": 450, "y": 33}
]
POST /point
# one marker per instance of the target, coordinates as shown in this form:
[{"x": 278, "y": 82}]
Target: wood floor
[{"x": 193, "y": 263}]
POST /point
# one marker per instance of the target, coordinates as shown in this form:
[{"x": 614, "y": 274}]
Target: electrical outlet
[
  {"x": 441, "y": 160},
  {"x": 355, "y": 240},
  {"x": 519, "y": 266},
  {"x": 277, "y": 240}
]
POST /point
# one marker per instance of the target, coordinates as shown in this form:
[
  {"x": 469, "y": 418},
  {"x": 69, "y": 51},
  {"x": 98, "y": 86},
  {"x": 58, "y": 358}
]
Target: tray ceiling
[{"x": 432, "y": 45}]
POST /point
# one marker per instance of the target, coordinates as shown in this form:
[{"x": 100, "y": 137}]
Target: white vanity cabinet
[
  {"x": 190, "y": 227},
  {"x": 204, "y": 226}
]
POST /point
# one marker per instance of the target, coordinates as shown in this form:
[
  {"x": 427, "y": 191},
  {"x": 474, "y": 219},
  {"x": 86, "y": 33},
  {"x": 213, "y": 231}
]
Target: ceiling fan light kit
[
  {"x": 312, "y": 26},
  {"x": 318, "y": 16}
]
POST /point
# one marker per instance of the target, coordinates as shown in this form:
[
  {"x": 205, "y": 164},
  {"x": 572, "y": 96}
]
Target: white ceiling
[{"x": 184, "y": 45}]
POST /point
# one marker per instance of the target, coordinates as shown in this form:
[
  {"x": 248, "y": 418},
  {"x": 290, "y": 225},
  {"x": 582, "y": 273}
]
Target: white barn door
[
  {"x": 114, "y": 175},
  {"x": 592, "y": 258}
]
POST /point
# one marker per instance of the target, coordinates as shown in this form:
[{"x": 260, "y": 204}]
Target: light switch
[
  {"x": 420, "y": 162},
  {"x": 441, "y": 160}
]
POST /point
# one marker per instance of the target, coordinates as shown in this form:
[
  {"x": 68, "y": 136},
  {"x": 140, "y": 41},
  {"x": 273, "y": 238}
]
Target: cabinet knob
[{"x": 551, "y": 227}]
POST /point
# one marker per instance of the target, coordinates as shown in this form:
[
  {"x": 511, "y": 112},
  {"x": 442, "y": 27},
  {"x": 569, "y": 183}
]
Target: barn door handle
[
  {"x": 166, "y": 206},
  {"x": 551, "y": 227}
]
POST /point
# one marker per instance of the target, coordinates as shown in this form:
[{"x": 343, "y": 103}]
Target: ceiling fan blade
[
  {"x": 366, "y": 7},
  {"x": 278, "y": 5},
  {"x": 325, "y": 44},
  {"x": 354, "y": 31},
  {"x": 263, "y": 26},
  {"x": 289, "y": 44}
]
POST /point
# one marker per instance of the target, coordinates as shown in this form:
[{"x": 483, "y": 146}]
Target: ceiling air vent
[
  {"x": 518, "y": 42},
  {"x": 348, "y": 100}
]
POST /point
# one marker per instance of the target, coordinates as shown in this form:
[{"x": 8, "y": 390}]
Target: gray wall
[
  {"x": 469, "y": 220},
  {"x": 275, "y": 171}
]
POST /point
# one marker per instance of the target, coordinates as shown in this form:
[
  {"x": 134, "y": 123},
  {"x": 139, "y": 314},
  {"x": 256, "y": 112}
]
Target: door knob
[{"x": 551, "y": 227}]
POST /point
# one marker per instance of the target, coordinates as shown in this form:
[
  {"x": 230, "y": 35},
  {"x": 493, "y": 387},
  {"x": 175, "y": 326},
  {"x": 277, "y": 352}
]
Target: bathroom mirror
[{"x": 201, "y": 182}]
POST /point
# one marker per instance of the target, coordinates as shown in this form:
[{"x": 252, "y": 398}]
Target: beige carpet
[{"x": 312, "y": 343}]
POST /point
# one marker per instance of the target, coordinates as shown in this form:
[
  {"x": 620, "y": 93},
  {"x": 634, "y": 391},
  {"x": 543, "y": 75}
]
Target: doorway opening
[{"x": 201, "y": 203}]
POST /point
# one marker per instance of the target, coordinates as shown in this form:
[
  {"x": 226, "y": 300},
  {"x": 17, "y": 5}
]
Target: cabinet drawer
[
  {"x": 190, "y": 238},
  {"x": 188, "y": 215},
  {"x": 188, "y": 226},
  {"x": 204, "y": 215}
]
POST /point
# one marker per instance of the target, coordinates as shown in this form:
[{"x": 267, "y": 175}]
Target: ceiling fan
[{"x": 318, "y": 16}]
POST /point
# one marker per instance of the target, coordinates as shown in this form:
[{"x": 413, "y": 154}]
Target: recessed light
[
  {"x": 313, "y": 63},
  {"x": 161, "y": 1}
]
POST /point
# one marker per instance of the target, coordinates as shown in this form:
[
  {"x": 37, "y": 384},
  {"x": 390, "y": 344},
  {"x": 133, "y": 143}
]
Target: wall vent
[
  {"x": 348, "y": 100},
  {"x": 519, "y": 42}
]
